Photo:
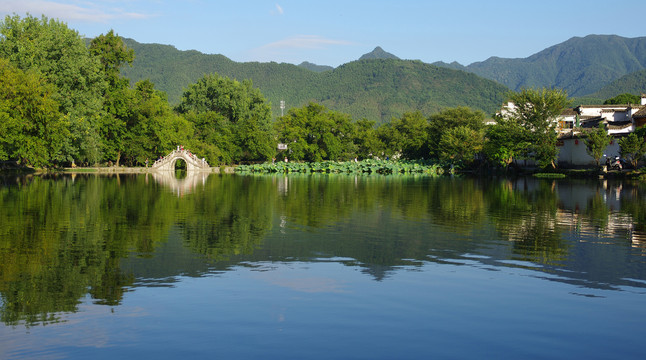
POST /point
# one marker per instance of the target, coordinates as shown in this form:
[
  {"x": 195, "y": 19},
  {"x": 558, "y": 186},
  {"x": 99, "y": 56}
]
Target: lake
[{"x": 320, "y": 267}]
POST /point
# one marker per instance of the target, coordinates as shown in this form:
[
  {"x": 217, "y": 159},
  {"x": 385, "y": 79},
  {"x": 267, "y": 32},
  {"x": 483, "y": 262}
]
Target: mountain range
[
  {"x": 580, "y": 65},
  {"x": 379, "y": 85},
  {"x": 374, "y": 88}
]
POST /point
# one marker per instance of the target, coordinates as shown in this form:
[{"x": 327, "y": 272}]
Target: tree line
[{"x": 65, "y": 102}]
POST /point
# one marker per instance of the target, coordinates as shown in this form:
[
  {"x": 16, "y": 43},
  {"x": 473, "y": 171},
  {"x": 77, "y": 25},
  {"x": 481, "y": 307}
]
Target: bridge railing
[{"x": 183, "y": 154}]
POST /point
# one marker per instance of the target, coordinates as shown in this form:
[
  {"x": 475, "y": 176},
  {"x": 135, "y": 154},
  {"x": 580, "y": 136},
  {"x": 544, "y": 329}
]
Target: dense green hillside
[
  {"x": 375, "y": 89},
  {"x": 581, "y": 66},
  {"x": 316, "y": 68},
  {"x": 633, "y": 83},
  {"x": 381, "y": 89}
]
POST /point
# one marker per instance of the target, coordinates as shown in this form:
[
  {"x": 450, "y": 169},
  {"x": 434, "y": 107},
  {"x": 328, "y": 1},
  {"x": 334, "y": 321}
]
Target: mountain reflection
[{"x": 64, "y": 238}]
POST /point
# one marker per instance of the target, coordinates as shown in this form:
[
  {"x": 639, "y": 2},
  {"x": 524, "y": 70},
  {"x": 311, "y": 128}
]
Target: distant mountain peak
[{"x": 378, "y": 53}]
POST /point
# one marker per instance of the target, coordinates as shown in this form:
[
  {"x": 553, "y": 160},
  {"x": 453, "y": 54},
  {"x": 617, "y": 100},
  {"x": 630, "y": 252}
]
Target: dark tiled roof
[
  {"x": 617, "y": 125},
  {"x": 568, "y": 112},
  {"x": 591, "y": 122},
  {"x": 641, "y": 113},
  {"x": 603, "y": 106}
]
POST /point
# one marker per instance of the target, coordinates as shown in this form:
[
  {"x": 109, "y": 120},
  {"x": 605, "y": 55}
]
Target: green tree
[
  {"x": 243, "y": 108},
  {"x": 32, "y": 129},
  {"x": 59, "y": 55},
  {"x": 313, "y": 133},
  {"x": 536, "y": 111},
  {"x": 118, "y": 97},
  {"x": 623, "y": 99},
  {"x": 505, "y": 142},
  {"x": 633, "y": 146},
  {"x": 407, "y": 136},
  {"x": 461, "y": 145},
  {"x": 154, "y": 128},
  {"x": 367, "y": 140},
  {"x": 448, "y": 119},
  {"x": 597, "y": 142}
]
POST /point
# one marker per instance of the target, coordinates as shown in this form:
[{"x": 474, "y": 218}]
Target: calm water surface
[{"x": 309, "y": 267}]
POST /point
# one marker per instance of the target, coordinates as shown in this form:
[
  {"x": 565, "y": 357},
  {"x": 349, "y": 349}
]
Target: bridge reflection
[{"x": 181, "y": 187}]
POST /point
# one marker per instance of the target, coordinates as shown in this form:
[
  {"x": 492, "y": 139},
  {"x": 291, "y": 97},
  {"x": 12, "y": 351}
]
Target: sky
[{"x": 334, "y": 32}]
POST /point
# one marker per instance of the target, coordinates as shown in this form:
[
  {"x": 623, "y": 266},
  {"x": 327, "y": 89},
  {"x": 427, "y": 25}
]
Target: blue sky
[{"x": 334, "y": 32}]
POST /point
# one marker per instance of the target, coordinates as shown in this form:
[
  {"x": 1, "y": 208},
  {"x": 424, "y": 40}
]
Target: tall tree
[
  {"x": 460, "y": 145},
  {"x": 32, "y": 129},
  {"x": 314, "y": 133},
  {"x": 597, "y": 142},
  {"x": 449, "y": 119},
  {"x": 633, "y": 146},
  {"x": 154, "y": 128},
  {"x": 366, "y": 139},
  {"x": 407, "y": 136},
  {"x": 243, "y": 107},
  {"x": 505, "y": 142},
  {"x": 59, "y": 55},
  {"x": 536, "y": 111},
  {"x": 118, "y": 99}
]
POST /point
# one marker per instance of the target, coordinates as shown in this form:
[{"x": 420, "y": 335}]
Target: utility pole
[{"x": 282, "y": 107}]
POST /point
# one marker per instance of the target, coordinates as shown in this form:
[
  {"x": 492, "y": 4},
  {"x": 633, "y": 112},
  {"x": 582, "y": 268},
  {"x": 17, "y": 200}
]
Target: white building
[{"x": 618, "y": 120}]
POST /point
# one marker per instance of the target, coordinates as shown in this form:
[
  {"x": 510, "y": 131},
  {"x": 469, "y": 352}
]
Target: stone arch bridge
[{"x": 193, "y": 163}]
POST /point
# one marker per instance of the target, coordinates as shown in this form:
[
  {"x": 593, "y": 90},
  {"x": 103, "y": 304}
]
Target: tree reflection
[
  {"x": 525, "y": 212},
  {"x": 65, "y": 238},
  {"x": 232, "y": 220}
]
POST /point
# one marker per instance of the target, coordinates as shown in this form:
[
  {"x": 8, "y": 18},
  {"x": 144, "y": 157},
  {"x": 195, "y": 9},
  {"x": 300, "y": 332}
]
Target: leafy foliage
[
  {"x": 449, "y": 119},
  {"x": 59, "y": 55},
  {"x": 237, "y": 108},
  {"x": 534, "y": 113},
  {"x": 597, "y": 142},
  {"x": 407, "y": 136},
  {"x": 506, "y": 141},
  {"x": 31, "y": 128},
  {"x": 624, "y": 98},
  {"x": 382, "y": 167},
  {"x": 633, "y": 146},
  {"x": 461, "y": 144},
  {"x": 314, "y": 133}
]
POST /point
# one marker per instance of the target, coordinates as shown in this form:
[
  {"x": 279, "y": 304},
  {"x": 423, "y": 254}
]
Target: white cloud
[
  {"x": 68, "y": 12},
  {"x": 279, "y": 9},
  {"x": 304, "y": 42}
]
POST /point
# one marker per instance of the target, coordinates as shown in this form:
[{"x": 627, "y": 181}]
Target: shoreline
[{"x": 137, "y": 170}]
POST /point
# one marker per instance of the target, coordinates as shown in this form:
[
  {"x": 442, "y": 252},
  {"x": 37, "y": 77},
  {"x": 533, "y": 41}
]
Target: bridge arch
[{"x": 193, "y": 163}]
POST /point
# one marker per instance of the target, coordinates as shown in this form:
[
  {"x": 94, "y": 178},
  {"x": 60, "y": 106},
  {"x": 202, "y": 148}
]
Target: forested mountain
[
  {"x": 381, "y": 89},
  {"x": 317, "y": 68},
  {"x": 581, "y": 66},
  {"x": 633, "y": 83},
  {"x": 375, "y": 89}
]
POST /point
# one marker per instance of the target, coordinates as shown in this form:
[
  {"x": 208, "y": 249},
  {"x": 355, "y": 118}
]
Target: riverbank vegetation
[
  {"x": 64, "y": 102},
  {"x": 383, "y": 167}
]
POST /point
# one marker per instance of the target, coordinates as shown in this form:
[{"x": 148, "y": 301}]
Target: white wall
[{"x": 573, "y": 154}]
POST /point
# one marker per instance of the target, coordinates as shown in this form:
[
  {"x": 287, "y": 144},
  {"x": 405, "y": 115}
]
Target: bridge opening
[{"x": 180, "y": 168}]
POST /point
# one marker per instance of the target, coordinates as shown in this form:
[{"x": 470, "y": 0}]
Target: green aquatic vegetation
[
  {"x": 383, "y": 167},
  {"x": 550, "y": 175}
]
